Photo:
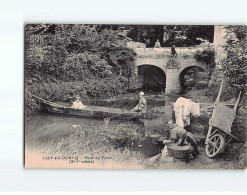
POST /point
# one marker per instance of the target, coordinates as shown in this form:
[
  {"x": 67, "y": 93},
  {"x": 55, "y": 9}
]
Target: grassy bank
[{"x": 108, "y": 145}]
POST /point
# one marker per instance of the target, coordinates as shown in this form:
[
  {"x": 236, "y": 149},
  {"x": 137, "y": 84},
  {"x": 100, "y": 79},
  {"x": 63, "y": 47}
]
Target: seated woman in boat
[
  {"x": 142, "y": 105},
  {"x": 78, "y": 104}
]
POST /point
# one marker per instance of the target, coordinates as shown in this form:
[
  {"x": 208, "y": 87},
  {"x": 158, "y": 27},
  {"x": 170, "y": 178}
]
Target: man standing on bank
[{"x": 142, "y": 105}]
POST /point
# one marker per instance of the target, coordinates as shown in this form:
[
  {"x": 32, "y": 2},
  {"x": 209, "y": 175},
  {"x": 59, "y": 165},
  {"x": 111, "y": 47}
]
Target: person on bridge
[
  {"x": 179, "y": 135},
  {"x": 173, "y": 51},
  {"x": 142, "y": 105},
  {"x": 78, "y": 104},
  {"x": 157, "y": 44}
]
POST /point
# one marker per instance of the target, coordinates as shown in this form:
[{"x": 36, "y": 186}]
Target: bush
[
  {"x": 66, "y": 91},
  {"x": 76, "y": 53},
  {"x": 79, "y": 59},
  {"x": 210, "y": 94},
  {"x": 234, "y": 66},
  {"x": 31, "y": 105},
  {"x": 227, "y": 92},
  {"x": 44, "y": 63},
  {"x": 206, "y": 56},
  {"x": 85, "y": 66}
]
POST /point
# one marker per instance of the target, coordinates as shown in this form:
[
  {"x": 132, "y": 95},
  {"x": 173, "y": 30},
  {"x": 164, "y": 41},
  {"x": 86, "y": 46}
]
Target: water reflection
[{"x": 145, "y": 144}]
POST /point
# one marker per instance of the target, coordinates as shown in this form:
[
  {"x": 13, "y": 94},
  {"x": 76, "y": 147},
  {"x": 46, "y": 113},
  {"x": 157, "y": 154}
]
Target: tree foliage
[
  {"x": 146, "y": 33},
  {"x": 94, "y": 59},
  {"x": 44, "y": 63},
  {"x": 187, "y": 35},
  {"x": 234, "y": 66},
  {"x": 206, "y": 56},
  {"x": 78, "y": 52},
  {"x": 168, "y": 35}
]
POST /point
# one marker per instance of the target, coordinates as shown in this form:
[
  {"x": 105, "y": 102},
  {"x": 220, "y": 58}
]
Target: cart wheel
[{"x": 215, "y": 145}]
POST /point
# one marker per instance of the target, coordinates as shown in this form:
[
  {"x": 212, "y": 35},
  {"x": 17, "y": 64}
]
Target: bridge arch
[
  {"x": 152, "y": 76},
  {"x": 190, "y": 75},
  {"x": 158, "y": 62},
  {"x": 193, "y": 65}
]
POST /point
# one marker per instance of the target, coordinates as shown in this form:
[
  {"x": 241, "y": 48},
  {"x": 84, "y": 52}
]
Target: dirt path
[{"x": 201, "y": 161}]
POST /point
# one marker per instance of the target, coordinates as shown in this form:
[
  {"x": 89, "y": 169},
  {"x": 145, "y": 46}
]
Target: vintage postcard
[{"x": 135, "y": 96}]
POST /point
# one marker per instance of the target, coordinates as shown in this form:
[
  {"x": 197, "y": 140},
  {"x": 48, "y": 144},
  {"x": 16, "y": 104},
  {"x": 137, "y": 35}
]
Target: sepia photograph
[{"x": 102, "y": 96}]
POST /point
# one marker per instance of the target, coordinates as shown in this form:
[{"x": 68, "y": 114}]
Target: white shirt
[{"x": 78, "y": 105}]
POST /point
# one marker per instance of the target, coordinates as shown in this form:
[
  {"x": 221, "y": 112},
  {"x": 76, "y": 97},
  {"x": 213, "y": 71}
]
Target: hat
[
  {"x": 77, "y": 96},
  {"x": 141, "y": 93},
  {"x": 170, "y": 122}
]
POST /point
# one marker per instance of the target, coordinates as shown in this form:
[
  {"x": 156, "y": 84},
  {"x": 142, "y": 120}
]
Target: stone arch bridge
[{"x": 173, "y": 67}]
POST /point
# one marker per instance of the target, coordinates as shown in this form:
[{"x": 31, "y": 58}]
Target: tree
[
  {"x": 146, "y": 33},
  {"x": 206, "y": 56},
  {"x": 187, "y": 35},
  {"x": 234, "y": 66},
  {"x": 89, "y": 60},
  {"x": 77, "y": 52},
  {"x": 168, "y": 35}
]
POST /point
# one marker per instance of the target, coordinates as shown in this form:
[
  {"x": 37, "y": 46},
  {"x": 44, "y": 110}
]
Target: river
[
  {"x": 51, "y": 135},
  {"x": 43, "y": 132},
  {"x": 128, "y": 143}
]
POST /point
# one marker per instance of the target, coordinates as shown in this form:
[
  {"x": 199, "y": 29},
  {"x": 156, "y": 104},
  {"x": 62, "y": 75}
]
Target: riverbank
[
  {"x": 120, "y": 145},
  {"x": 128, "y": 145},
  {"x": 234, "y": 156},
  {"x": 109, "y": 146}
]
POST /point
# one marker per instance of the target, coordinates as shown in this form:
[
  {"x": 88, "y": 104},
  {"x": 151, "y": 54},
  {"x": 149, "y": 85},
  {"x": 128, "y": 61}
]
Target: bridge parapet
[{"x": 164, "y": 52}]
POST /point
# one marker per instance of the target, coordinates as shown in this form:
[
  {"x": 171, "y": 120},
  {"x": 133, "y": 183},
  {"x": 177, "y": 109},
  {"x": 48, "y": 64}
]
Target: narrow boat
[{"x": 88, "y": 112}]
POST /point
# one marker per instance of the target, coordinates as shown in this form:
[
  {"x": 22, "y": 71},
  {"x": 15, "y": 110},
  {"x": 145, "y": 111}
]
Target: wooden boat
[
  {"x": 88, "y": 112},
  {"x": 92, "y": 112}
]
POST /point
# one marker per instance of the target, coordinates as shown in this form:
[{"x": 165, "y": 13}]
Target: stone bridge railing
[{"x": 164, "y": 52}]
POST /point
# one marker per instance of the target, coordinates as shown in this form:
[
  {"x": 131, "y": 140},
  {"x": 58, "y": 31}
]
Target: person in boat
[
  {"x": 142, "y": 105},
  {"x": 77, "y": 104},
  {"x": 179, "y": 135}
]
